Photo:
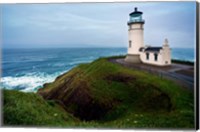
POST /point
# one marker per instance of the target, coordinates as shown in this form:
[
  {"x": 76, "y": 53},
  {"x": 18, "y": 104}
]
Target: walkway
[{"x": 183, "y": 74}]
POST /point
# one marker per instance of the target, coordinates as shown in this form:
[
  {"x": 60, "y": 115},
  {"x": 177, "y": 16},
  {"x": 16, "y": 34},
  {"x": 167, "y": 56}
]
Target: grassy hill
[
  {"x": 29, "y": 109},
  {"x": 103, "y": 94}
]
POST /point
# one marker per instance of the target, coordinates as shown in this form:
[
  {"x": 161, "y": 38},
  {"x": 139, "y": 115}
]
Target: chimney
[{"x": 135, "y": 9}]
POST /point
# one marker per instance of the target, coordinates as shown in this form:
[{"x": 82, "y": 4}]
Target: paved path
[{"x": 170, "y": 72}]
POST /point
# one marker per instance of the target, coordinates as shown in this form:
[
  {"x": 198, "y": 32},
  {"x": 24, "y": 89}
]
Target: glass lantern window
[
  {"x": 135, "y": 17},
  {"x": 138, "y": 18}
]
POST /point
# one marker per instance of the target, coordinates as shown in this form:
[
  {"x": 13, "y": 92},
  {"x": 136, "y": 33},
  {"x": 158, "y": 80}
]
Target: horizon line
[{"x": 77, "y": 47}]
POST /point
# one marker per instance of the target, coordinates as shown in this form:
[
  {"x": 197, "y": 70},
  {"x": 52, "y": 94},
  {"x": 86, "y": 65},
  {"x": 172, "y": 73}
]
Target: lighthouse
[
  {"x": 137, "y": 51},
  {"x": 135, "y": 36}
]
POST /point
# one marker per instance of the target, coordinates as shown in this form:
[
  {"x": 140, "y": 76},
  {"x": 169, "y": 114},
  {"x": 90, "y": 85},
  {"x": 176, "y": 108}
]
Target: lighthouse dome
[
  {"x": 136, "y": 13},
  {"x": 135, "y": 17}
]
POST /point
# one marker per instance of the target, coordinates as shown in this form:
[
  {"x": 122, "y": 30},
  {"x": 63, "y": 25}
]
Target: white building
[{"x": 137, "y": 51}]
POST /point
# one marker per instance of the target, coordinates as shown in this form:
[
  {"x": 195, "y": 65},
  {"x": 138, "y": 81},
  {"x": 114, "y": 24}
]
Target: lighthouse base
[{"x": 133, "y": 58}]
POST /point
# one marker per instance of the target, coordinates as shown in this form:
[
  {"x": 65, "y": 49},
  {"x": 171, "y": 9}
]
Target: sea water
[{"x": 28, "y": 69}]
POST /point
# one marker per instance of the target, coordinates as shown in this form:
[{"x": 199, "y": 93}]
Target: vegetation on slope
[
  {"x": 29, "y": 109},
  {"x": 103, "y": 94},
  {"x": 183, "y": 62}
]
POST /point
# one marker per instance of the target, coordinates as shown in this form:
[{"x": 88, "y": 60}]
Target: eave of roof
[
  {"x": 135, "y": 12},
  {"x": 153, "y": 49}
]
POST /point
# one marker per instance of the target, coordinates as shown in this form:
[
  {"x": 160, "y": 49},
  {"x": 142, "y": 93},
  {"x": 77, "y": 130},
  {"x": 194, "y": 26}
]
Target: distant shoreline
[
  {"x": 183, "y": 62},
  {"x": 179, "y": 61}
]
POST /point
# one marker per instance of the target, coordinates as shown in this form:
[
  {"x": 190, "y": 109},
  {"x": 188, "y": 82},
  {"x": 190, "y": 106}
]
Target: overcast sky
[{"x": 96, "y": 24}]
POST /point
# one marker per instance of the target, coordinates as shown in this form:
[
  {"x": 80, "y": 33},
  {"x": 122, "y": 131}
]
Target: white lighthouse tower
[
  {"x": 137, "y": 52},
  {"x": 135, "y": 35}
]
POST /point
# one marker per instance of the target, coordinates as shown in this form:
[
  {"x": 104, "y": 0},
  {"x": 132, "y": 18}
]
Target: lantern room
[{"x": 135, "y": 17}]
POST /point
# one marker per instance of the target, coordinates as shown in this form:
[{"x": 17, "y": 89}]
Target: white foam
[
  {"x": 28, "y": 83},
  {"x": 28, "y": 59}
]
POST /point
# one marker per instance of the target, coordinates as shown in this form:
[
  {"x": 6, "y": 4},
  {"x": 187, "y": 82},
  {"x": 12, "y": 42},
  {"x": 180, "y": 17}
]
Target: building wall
[
  {"x": 135, "y": 35},
  {"x": 151, "y": 59},
  {"x": 163, "y": 57},
  {"x": 166, "y": 55}
]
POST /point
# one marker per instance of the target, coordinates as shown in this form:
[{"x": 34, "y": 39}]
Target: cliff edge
[
  {"x": 103, "y": 91},
  {"x": 102, "y": 94}
]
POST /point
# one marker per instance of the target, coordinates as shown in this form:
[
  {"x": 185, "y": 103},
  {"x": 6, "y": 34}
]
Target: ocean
[{"x": 28, "y": 69}]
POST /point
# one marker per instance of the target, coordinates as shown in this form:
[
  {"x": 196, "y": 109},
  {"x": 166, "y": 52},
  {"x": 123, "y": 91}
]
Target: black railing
[{"x": 136, "y": 20}]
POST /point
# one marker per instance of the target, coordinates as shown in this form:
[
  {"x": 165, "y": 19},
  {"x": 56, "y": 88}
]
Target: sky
[{"x": 96, "y": 24}]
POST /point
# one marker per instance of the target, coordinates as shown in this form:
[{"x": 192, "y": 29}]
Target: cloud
[{"x": 102, "y": 24}]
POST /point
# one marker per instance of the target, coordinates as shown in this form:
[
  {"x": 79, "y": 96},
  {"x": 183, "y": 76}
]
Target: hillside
[
  {"x": 103, "y": 94},
  {"x": 29, "y": 109}
]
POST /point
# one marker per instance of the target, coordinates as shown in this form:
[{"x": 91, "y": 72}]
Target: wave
[
  {"x": 28, "y": 59},
  {"x": 30, "y": 82},
  {"x": 21, "y": 74}
]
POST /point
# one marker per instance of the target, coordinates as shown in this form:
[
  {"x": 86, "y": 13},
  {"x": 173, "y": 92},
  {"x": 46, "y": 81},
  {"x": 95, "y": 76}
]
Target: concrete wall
[
  {"x": 164, "y": 57},
  {"x": 135, "y": 35},
  {"x": 133, "y": 58},
  {"x": 151, "y": 59}
]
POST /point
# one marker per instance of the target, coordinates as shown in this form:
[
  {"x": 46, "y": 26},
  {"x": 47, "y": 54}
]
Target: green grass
[
  {"x": 138, "y": 100},
  {"x": 29, "y": 109}
]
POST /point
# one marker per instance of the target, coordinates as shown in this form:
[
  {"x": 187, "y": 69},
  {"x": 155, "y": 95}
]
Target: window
[
  {"x": 147, "y": 56},
  {"x": 130, "y": 44},
  {"x": 155, "y": 57}
]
